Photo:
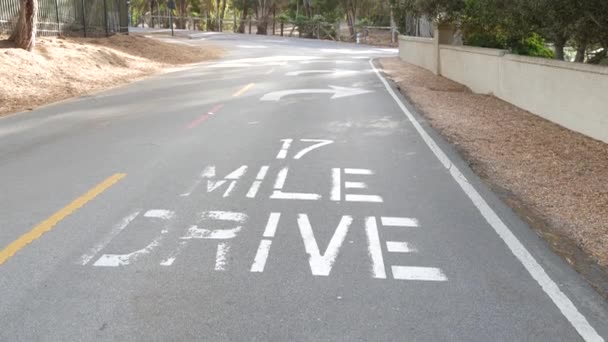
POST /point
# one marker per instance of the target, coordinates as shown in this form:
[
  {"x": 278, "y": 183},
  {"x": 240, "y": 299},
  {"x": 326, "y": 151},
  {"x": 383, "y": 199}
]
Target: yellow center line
[
  {"x": 50, "y": 222},
  {"x": 243, "y": 90}
]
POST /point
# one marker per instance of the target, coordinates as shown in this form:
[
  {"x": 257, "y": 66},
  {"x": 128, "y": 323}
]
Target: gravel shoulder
[
  {"x": 60, "y": 68},
  {"x": 554, "y": 178}
]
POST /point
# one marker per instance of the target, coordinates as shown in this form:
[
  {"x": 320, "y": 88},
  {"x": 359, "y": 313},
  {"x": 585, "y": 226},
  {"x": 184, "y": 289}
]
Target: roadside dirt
[
  {"x": 555, "y": 179},
  {"x": 61, "y": 68}
]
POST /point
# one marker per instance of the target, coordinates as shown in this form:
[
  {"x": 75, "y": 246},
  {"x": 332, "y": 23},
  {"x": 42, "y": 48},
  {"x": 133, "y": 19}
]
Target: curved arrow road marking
[{"x": 337, "y": 92}]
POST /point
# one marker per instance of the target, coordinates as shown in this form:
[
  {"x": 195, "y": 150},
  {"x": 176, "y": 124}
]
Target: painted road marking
[
  {"x": 363, "y": 198},
  {"x": 116, "y": 260},
  {"x": 261, "y": 256},
  {"x": 338, "y": 92},
  {"x": 160, "y": 214},
  {"x": 336, "y": 187},
  {"x": 243, "y": 90},
  {"x": 173, "y": 255},
  {"x": 399, "y": 247},
  {"x": 57, "y": 217},
  {"x": 191, "y": 189},
  {"x": 255, "y": 186},
  {"x": 418, "y": 273},
  {"x": 283, "y": 152},
  {"x": 288, "y": 142},
  {"x": 195, "y": 232},
  {"x": 264, "y": 249},
  {"x": 565, "y": 305},
  {"x": 336, "y": 72},
  {"x": 365, "y": 172},
  {"x": 374, "y": 248},
  {"x": 328, "y": 61},
  {"x": 233, "y": 177},
  {"x": 205, "y": 116},
  {"x": 279, "y": 194},
  {"x": 119, "y": 227},
  {"x": 399, "y": 222},
  {"x": 335, "y": 194},
  {"x": 230, "y": 182},
  {"x": 321, "y": 264},
  {"x": 319, "y": 143},
  {"x": 221, "y": 256},
  {"x": 271, "y": 226},
  {"x": 223, "y": 247},
  {"x": 399, "y": 272},
  {"x": 355, "y": 185}
]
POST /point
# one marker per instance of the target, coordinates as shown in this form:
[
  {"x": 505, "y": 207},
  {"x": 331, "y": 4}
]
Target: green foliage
[
  {"x": 533, "y": 46},
  {"x": 284, "y": 18}
]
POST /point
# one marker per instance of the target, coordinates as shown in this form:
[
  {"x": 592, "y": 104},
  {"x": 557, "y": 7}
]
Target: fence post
[
  {"x": 282, "y": 26},
  {"x": 105, "y": 16},
  {"x": 436, "y": 56},
  {"x": 84, "y": 19},
  {"x": 249, "y": 24},
  {"x": 57, "y": 13}
]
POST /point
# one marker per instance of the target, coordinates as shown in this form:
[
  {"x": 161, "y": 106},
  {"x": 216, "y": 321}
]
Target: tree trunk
[
  {"x": 350, "y": 19},
  {"x": 560, "y": 42},
  {"x": 241, "y": 28},
  {"x": 263, "y": 26},
  {"x": 351, "y": 7},
  {"x": 262, "y": 14},
  {"x": 580, "y": 53},
  {"x": 393, "y": 27},
  {"x": 223, "y": 14},
  {"x": 183, "y": 11},
  {"x": 24, "y": 34},
  {"x": 218, "y": 26}
]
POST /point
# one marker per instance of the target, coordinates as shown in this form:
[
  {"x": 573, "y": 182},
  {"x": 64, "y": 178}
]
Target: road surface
[{"x": 284, "y": 193}]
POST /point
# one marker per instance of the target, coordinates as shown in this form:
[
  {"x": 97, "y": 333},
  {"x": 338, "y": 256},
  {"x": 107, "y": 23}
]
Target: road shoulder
[{"x": 550, "y": 176}]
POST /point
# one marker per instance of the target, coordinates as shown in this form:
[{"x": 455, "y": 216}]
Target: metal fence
[
  {"x": 87, "y": 18},
  {"x": 380, "y": 35}
]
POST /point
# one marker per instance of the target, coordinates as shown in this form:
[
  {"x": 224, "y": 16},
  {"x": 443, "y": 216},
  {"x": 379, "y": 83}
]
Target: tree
[
  {"x": 243, "y": 6},
  {"x": 351, "y": 9},
  {"x": 24, "y": 34},
  {"x": 220, "y": 8}
]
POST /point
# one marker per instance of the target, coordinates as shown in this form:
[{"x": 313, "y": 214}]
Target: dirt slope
[{"x": 60, "y": 68}]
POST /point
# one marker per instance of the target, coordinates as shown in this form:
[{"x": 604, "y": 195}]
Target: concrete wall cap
[
  {"x": 477, "y": 50},
  {"x": 595, "y": 69},
  {"x": 416, "y": 39}
]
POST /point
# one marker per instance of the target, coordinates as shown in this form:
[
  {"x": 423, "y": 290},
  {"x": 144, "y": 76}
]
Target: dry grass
[
  {"x": 558, "y": 174},
  {"x": 60, "y": 68}
]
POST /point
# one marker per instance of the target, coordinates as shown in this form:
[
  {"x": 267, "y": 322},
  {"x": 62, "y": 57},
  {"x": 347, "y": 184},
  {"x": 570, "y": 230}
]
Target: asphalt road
[{"x": 284, "y": 193}]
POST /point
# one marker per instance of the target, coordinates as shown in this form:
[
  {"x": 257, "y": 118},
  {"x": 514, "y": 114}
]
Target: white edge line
[{"x": 564, "y": 304}]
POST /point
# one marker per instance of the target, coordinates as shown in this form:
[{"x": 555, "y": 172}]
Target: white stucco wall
[
  {"x": 572, "y": 95},
  {"x": 418, "y": 51},
  {"x": 477, "y": 68}
]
